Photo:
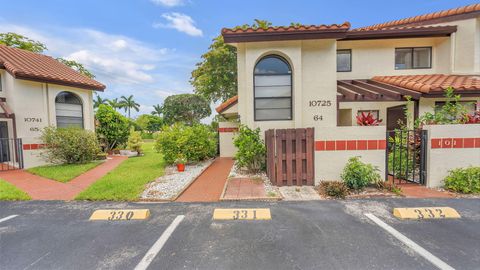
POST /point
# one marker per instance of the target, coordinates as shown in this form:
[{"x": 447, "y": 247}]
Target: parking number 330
[{"x": 118, "y": 215}]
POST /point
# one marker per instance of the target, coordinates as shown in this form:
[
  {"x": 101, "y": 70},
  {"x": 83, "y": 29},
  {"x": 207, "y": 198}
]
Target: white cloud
[
  {"x": 169, "y": 3},
  {"x": 180, "y": 22},
  {"x": 125, "y": 65}
]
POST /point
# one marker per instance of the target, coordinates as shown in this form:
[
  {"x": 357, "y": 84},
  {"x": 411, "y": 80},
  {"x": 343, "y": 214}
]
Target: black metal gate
[
  {"x": 406, "y": 155},
  {"x": 11, "y": 154}
]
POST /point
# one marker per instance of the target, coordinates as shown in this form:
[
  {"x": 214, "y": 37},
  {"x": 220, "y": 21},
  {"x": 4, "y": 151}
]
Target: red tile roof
[
  {"x": 27, "y": 65},
  {"x": 433, "y": 82},
  {"x": 225, "y": 105},
  {"x": 285, "y": 33},
  {"x": 425, "y": 18},
  {"x": 301, "y": 28}
]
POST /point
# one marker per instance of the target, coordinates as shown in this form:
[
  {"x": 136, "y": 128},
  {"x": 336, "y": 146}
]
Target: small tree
[
  {"x": 135, "y": 141},
  {"x": 112, "y": 127},
  {"x": 76, "y": 66},
  {"x": 186, "y": 108},
  {"x": 251, "y": 151},
  {"x": 21, "y": 42},
  {"x": 149, "y": 123}
]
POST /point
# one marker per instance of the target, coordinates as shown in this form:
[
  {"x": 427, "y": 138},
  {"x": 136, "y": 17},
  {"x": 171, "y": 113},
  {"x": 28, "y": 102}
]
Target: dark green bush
[
  {"x": 357, "y": 175},
  {"x": 69, "y": 145},
  {"x": 334, "y": 189},
  {"x": 195, "y": 143},
  {"x": 112, "y": 127},
  {"x": 251, "y": 151},
  {"x": 464, "y": 180}
]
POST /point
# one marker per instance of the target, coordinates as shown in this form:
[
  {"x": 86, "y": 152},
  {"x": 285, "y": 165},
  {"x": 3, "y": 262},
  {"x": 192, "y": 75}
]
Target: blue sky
[{"x": 149, "y": 47}]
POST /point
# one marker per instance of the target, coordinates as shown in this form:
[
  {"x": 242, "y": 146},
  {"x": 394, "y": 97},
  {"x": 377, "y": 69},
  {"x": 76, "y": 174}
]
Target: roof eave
[
  {"x": 59, "y": 82},
  {"x": 283, "y": 36},
  {"x": 441, "y": 31}
]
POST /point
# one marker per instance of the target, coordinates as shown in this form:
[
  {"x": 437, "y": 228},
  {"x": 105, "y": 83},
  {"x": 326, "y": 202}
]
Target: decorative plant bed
[
  {"x": 368, "y": 192},
  {"x": 173, "y": 183},
  {"x": 241, "y": 185}
]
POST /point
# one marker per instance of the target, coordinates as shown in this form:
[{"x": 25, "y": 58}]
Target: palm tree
[
  {"x": 99, "y": 101},
  {"x": 129, "y": 103},
  {"x": 157, "y": 110},
  {"x": 114, "y": 103}
]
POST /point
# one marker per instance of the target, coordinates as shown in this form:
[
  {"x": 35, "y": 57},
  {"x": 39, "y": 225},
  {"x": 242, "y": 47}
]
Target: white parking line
[
  {"x": 153, "y": 251},
  {"x": 420, "y": 250},
  {"x": 7, "y": 218}
]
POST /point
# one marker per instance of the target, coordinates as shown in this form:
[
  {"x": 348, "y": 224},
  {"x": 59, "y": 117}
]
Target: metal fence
[
  {"x": 11, "y": 154},
  {"x": 406, "y": 154}
]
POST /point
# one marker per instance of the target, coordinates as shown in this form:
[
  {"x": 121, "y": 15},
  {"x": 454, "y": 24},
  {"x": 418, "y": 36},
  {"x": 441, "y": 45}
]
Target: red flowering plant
[
  {"x": 473, "y": 118},
  {"x": 367, "y": 119}
]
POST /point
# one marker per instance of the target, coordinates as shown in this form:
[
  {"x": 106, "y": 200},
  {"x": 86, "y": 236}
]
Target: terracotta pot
[{"x": 180, "y": 167}]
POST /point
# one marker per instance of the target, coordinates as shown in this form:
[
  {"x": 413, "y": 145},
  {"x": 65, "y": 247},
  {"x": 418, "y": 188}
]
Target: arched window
[
  {"x": 272, "y": 89},
  {"x": 69, "y": 110}
]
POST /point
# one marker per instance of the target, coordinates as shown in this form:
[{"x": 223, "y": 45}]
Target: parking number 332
[{"x": 429, "y": 213}]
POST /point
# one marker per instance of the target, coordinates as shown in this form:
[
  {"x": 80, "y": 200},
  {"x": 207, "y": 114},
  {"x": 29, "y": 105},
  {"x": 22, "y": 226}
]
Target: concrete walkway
[
  {"x": 209, "y": 185},
  {"x": 40, "y": 188},
  {"x": 412, "y": 190}
]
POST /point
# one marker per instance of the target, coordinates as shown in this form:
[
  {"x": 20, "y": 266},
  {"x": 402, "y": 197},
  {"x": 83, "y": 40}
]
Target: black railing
[
  {"x": 405, "y": 157},
  {"x": 11, "y": 154}
]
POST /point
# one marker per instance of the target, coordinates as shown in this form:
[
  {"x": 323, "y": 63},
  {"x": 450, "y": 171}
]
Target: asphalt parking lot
[{"x": 300, "y": 235}]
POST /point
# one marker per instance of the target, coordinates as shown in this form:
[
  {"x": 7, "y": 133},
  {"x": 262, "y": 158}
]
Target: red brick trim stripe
[
  {"x": 455, "y": 143},
  {"x": 33, "y": 146},
  {"x": 349, "y": 145},
  {"x": 227, "y": 129}
]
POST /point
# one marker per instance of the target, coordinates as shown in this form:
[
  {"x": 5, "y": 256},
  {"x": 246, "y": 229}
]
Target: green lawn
[
  {"x": 128, "y": 180},
  {"x": 9, "y": 192},
  {"x": 64, "y": 172}
]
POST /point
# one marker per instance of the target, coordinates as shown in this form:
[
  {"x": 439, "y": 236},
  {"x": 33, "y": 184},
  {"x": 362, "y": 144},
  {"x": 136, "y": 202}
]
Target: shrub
[
  {"x": 357, "y": 175},
  {"x": 334, "y": 189},
  {"x": 147, "y": 136},
  {"x": 251, "y": 151},
  {"x": 112, "y": 127},
  {"x": 135, "y": 141},
  {"x": 69, "y": 145},
  {"x": 464, "y": 180},
  {"x": 195, "y": 143}
]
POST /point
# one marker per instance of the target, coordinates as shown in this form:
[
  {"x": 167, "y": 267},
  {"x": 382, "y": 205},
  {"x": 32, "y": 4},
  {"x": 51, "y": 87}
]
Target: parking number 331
[{"x": 244, "y": 214}]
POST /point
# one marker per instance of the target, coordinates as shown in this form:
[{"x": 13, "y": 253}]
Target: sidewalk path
[
  {"x": 209, "y": 185},
  {"x": 40, "y": 188}
]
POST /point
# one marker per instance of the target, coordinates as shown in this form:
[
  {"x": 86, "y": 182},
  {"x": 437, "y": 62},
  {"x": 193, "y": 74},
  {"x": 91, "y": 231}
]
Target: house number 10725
[{"x": 320, "y": 103}]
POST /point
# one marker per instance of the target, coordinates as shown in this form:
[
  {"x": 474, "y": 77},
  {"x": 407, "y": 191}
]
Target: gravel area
[
  {"x": 172, "y": 182},
  {"x": 270, "y": 190}
]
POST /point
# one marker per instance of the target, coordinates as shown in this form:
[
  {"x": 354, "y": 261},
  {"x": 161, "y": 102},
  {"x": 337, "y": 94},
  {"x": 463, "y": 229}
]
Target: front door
[
  {"x": 4, "y": 142},
  {"x": 395, "y": 116}
]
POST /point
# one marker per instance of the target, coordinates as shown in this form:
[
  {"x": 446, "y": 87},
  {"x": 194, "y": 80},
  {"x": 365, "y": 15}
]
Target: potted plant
[{"x": 180, "y": 161}]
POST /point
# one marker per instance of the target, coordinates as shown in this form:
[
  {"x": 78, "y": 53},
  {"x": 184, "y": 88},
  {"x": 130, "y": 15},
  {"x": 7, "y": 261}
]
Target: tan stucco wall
[
  {"x": 227, "y": 149},
  {"x": 329, "y": 164},
  {"x": 313, "y": 78},
  {"x": 377, "y": 57},
  {"x": 428, "y": 104},
  {"x": 465, "y": 54},
  {"x": 441, "y": 160},
  {"x": 34, "y": 106},
  {"x": 380, "y": 106}
]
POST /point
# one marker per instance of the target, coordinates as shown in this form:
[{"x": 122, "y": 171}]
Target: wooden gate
[{"x": 290, "y": 156}]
